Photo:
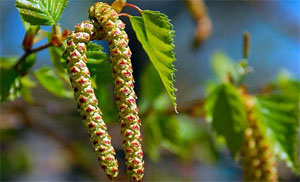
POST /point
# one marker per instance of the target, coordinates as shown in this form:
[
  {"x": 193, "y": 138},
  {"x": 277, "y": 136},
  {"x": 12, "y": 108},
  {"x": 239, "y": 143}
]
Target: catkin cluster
[
  {"x": 257, "y": 157},
  {"x": 113, "y": 29},
  {"x": 84, "y": 95}
]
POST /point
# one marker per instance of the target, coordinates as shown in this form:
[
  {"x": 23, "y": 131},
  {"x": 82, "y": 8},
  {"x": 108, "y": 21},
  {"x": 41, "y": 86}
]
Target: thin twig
[{"x": 27, "y": 53}]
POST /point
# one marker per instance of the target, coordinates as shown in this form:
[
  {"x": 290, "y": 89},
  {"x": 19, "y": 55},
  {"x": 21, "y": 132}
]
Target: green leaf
[
  {"x": 9, "y": 79},
  {"x": 153, "y": 136},
  {"x": 98, "y": 64},
  {"x": 151, "y": 88},
  {"x": 26, "y": 85},
  {"x": 27, "y": 64},
  {"x": 280, "y": 114},
  {"x": 288, "y": 86},
  {"x": 58, "y": 65},
  {"x": 170, "y": 128},
  {"x": 223, "y": 65},
  {"x": 50, "y": 82},
  {"x": 105, "y": 96},
  {"x": 188, "y": 139},
  {"x": 41, "y": 12},
  {"x": 58, "y": 62},
  {"x": 155, "y": 33},
  {"x": 225, "y": 109}
]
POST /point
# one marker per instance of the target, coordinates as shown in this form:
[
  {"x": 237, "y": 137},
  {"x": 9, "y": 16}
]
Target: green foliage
[
  {"x": 152, "y": 90},
  {"x": 280, "y": 114},
  {"x": 178, "y": 134},
  {"x": 50, "y": 82},
  {"x": 188, "y": 139},
  {"x": 59, "y": 64},
  {"x": 30, "y": 28},
  {"x": 26, "y": 65},
  {"x": 153, "y": 136},
  {"x": 155, "y": 33},
  {"x": 223, "y": 65},
  {"x": 225, "y": 109},
  {"x": 287, "y": 85},
  {"x": 98, "y": 64},
  {"x": 26, "y": 85},
  {"x": 9, "y": 79},
  {"x": 13, "y": 162},
  {"x": 41, "y": 12}
]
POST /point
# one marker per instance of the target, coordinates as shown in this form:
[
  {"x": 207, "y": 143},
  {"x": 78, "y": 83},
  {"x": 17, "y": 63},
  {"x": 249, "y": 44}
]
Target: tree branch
[{"x": 27, "y": 53}]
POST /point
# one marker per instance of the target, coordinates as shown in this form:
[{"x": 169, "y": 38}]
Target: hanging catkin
[
  {"x": 257, "y": 157},
  {"x": 108, "y": 20},
  {"x": 84, "y": 95}
]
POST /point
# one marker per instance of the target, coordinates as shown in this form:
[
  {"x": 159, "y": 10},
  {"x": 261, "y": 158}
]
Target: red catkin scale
[
  {"x": 257, "y": 158},
  {"x": 103, "y": 15},
  {"x": 87, "y": 102}
]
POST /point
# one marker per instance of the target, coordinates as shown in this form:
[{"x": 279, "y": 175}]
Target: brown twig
[{"x": 27, "y": 53}]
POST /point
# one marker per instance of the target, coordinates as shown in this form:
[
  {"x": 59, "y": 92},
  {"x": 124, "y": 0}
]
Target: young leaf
[
  {"x": 223, "y": 65},
  {"x": 225, "y": 109},
  {"x": 280, "y": 114},
  {"x": 155, "y": 33},
  {"x": 26, "y": 84},
  {"x": 49, "y": 81},
  {"x": 41, "y": 12},
  {"x": 55, "y": 57},
  {"x": 9, "y": 79}
]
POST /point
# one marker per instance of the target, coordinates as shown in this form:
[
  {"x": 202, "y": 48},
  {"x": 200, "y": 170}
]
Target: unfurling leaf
[
  {"x": 155, "y": 33},
  {"x": 41, "y": 12}
]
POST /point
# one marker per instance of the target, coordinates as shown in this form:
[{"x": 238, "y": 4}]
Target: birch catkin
[
  {"x": 257, "y": 157},
  {"x": 108, "y": 20},
  {"x": 84, "y": 95}
]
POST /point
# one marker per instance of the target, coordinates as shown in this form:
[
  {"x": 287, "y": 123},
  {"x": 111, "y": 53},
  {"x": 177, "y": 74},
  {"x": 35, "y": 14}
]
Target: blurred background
[{"x": 45, "y": 141}]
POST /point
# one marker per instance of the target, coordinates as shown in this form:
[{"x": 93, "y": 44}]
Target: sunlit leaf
[
  {"x": 50, "y": 82},
  {"x": 224, "y": 66},
  {"x": 281, "y": 117},
  {"x": 155, "y": 33},
  {"x": 41, "y": 12}
]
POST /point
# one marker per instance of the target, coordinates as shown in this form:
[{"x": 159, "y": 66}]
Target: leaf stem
[
  {"x": 125, "y": 14},
  {"x": 134, "y": 6},
  {"x": 27, "y": 53}
]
